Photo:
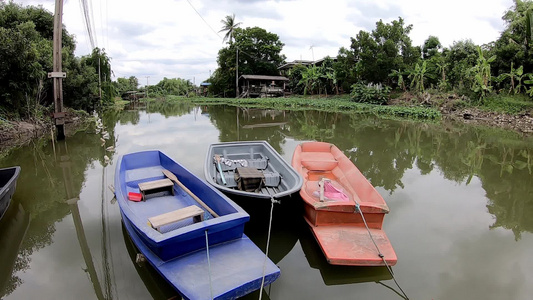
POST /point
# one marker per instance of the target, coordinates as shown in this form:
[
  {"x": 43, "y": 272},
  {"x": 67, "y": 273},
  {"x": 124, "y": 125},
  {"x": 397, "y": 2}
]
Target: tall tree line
[{"x": 26, "y": 35}]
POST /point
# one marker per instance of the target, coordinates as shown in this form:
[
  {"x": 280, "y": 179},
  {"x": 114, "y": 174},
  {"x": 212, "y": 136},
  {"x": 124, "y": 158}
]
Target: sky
[{"x": 180, "y": 38}]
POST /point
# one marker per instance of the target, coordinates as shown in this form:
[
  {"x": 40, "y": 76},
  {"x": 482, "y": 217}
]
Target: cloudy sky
[{"x": 179, "y": 38}]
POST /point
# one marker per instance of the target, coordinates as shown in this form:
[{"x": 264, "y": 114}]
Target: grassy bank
[{"x": 331, "y": 104}]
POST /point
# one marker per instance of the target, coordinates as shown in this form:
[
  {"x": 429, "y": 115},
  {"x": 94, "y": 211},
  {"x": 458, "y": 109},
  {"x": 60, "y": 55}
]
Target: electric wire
[
  {"x": 203, "y": 18},
  {"x": 240, "y": 50}
]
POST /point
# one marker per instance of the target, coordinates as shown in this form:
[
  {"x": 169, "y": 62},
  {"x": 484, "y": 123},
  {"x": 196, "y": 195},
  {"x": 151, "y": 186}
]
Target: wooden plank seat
[
  {"x": 156, "y": 186},
  {"x": 192, "y": 211}
]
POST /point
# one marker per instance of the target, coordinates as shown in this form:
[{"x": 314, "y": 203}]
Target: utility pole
[
  {"x": 57, "y": 74},
  {"x": 237, "y": 75}
]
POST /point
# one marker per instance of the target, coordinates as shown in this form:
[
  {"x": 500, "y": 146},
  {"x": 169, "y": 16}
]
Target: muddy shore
[{"x": 20, "y": 133}]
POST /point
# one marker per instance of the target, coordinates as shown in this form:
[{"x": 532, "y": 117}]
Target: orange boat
[{"x": 343, "y": 209}]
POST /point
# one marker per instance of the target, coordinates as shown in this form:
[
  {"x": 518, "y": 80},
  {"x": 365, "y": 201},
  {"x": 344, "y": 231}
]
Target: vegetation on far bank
[
  {"x": 381, "y": 72},
  {"x": 324, "y": 104}
]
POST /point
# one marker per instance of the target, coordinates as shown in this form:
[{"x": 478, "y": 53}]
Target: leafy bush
[{"x": 370, "y": 93}]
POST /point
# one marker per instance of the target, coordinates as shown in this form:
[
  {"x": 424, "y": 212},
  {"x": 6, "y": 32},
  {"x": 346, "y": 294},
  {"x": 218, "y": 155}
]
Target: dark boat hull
[{"x": 8, "y": 184}]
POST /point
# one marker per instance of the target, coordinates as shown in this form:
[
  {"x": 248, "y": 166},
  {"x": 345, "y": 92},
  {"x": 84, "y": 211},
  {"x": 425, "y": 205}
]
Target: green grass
[
  {"x": 333, "y": 104},
  {"x": 510, "y": 104}
]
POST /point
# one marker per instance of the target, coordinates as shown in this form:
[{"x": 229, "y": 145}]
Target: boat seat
[
  {"x": 272, "y": 179},
  {"x": 155, "y": 187},
  {"x": 233, "y": 163},
  {"x": 192, "y": 211},
  {"x": 318, "y": 161}
]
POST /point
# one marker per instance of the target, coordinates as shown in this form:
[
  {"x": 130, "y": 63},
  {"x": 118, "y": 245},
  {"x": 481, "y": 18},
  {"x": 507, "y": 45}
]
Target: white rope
[
  {"x": 358, "y": 209},
  {"x": 208, "y": 264},
  {"x": 267, "y": 245}
]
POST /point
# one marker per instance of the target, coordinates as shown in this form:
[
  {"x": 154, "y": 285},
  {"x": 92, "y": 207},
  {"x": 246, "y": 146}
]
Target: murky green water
[{"x": 460, "y": 198}]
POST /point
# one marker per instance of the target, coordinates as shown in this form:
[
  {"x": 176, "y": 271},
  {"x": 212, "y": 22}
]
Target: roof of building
[
  {"x": 264, "y": 77},
  {"x": 317, "y": 62}
]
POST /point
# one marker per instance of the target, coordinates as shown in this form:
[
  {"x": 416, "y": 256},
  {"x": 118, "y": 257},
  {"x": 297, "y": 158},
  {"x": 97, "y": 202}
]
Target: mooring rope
[
  {"x": 358, "y": 209},
  {"x": 208, "y": 263},
  {"x": 272, "y": 201}
]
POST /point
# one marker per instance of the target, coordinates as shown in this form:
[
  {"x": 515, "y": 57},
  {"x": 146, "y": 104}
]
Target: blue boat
[
  {"x": 8, "y": 184},
  {"x": 188, "y": 231}
]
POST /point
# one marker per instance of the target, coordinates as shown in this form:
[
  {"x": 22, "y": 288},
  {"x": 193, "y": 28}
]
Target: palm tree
[{"x": 229, "y": 27}]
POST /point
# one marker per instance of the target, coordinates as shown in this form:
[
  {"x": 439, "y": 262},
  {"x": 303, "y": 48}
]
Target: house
[
  {"x": 284, "y": 69},
  {"x": 203, "y": 88},
  {"x": 262, "y": 86}
]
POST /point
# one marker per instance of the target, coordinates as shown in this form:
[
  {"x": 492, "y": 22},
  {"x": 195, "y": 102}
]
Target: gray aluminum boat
[{"x": 250, "y": 169}]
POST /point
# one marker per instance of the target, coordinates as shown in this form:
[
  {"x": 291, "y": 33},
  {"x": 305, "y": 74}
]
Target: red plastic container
[{"x": 135, "y": 196}]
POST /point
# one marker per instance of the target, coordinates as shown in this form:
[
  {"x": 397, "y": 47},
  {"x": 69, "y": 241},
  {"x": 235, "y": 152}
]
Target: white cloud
[{"x": 170, "y": 38}]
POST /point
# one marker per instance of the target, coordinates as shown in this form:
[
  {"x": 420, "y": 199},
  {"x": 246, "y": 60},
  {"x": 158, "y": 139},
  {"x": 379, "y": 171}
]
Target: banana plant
[
  {"x": 399, "y": 75},
  {"x": 417, "y": 77},
  {"x": 481, "y": 75},
  {"x": 441, "y": 68},
  {"x": 517, "y": 74}
]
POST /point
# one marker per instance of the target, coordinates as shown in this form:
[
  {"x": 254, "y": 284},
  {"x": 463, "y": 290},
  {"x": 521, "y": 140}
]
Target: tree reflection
[
  {"x": 385, "y": 149},
  {"x": 43, "y": 190}
]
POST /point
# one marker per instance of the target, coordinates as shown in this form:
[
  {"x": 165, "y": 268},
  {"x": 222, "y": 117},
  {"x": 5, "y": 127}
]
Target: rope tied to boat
[
  {"x": 272, "y": 202},
  {"x": 358, "y": 210},
  {"x": 208, "y": 264}
]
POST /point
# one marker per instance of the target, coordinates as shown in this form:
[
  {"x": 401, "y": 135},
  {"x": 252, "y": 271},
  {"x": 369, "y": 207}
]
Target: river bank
[{"x": 19, "y": 133}]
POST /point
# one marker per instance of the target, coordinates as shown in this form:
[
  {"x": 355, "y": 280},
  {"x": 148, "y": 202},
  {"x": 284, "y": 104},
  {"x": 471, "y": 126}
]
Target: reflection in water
[
  {"x": 335, "y": 274},
  {"x": 454, "y": 192},
  {"x": 72, "y": 200},
  {"x": 156, "y": 285},
  {"x": 13, "y": 228}
]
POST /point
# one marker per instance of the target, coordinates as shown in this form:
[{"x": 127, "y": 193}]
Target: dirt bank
[
  {"x": 522, "y": 123},
  {"x": 20, "y": 133},
  {"x": 451, "y": 107}
]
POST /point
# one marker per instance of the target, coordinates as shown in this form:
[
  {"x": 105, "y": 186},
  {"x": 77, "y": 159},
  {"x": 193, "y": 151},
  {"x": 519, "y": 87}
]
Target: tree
[
  {"x": 431, "y": 47},
  {"x": 461, "y": 57},
  {"x": 387, "y": 48},
  {"x": 175, "y": 86},
  {"x": 514, "y": 43},
  {"x": 344, "y": 68},
  {"x": 124, "y": 84},
  {"x": 26, "y": 35},
  {"x": 259, "y": 54},
  {"x": 26, "y": 57},
  {"x": 229, "y": 27}
]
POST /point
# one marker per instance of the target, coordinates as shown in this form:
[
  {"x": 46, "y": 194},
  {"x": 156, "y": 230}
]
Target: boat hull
[
  {"x": 235, "y": 268},
  {"x": 174, "y": 248},
  {"x": 338, "y": 222},
  {"x": 257, "y": 154},
  {"x": 8, "y": 184}
]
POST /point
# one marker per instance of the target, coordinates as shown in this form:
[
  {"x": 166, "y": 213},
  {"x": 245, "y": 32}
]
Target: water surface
[{"x": 460, "y": 198}]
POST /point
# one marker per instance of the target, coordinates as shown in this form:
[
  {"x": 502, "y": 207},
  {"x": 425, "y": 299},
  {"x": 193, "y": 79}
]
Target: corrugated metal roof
[{"x": 264, "y": 77}]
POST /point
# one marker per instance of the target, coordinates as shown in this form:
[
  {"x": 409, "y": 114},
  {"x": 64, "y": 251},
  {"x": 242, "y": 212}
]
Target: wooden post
[{"x": 57, "y": 74}]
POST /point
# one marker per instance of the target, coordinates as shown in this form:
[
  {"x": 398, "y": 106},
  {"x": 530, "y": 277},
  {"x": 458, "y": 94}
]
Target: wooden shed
[{"x": 262, "y": 86}]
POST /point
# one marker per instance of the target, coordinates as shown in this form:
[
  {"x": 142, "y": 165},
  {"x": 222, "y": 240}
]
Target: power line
[
  {"x": 87, "y": 21},
  {"x": 203, "y": 19}
]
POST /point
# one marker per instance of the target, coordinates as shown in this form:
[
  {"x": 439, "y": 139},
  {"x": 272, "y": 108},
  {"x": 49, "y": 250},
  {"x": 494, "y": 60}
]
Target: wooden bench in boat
[
  {"x": 192, "y": 211},
  {"x": 156, "y": 186}
]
